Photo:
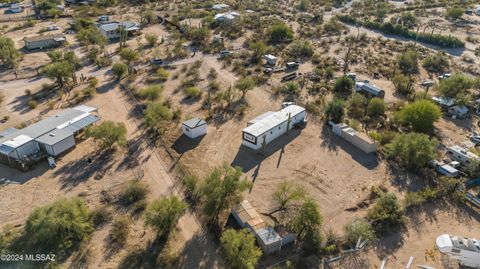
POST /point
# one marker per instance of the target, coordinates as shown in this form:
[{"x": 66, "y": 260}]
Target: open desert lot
[{"x": 240, "y": 134}]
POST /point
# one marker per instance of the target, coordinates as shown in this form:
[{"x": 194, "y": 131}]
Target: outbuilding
[
  {"x": 358, "y": 139},
  {"x": 271, "y": 60},
  {"x": 194, "y": 128},
  {"x": 369, "y": 90},
  {"x": 270, "y": 125},
  {"x": 44, "y": 41},
  {"x": 111, "y": 32},
  {"x": 56, "y": 142}
]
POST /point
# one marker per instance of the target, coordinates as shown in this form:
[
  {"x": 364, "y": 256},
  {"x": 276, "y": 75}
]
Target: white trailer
[
  {"x": 465, "y": 250},
  {"x": 269, "y": 126},
  {"x": 194, "y": 128}
]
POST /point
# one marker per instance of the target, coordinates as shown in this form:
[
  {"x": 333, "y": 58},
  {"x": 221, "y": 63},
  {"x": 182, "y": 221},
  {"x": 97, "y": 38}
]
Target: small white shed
[
  {"x": 194, "y": 128},
  {"x": 271, "y": 60}
]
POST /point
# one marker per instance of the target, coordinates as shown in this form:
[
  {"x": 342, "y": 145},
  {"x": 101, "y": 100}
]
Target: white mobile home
[
  {"x": 270, "y": 125},
  {"x": 111, "y": 29},
  {"x": 465, "y": 250},
  {"x": 195, "y": 127},
  {"x": 44, "y": 41},
  {"x": 462, "y": 155}
]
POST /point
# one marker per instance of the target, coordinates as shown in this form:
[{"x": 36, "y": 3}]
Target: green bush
[
  {"x": 335, "y": 110},
  {"x": 412, "y": 150},
  {"x": 398, "y": 29},
  {"x": 100, "y": 216},
  {"x": 420, "y": 115},
  {"x": 376, "y": 107},
  {"x": 386, "y": 214},
  {"x": 359, "y": 228},
  {"x": 151, "y": 93},
  {"x": 120, "y": 230},
  {"x": 413, "y": 199},
  {"x": 32, "y": 104},
  {"x": 133, "y": 192},
  {"x": 343, "y": 84},
  {"x": 193, "y": 92},
  {"x": 119, "y": 70}
]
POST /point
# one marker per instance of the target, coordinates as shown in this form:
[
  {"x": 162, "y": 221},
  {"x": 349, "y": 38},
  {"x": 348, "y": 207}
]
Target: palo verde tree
[
  {"x": 61, "y": 72},
  {"x": 239, "y": 249},
  {"x": 221, "y": 190},
  {"x": 359, "y": 228},
  {"x": 279, "y": 32},
  {"x": 343, "y": 84},
  {"x": 306, "y": 223},
  {"x": 420, "y": 115},
  {"x": 9, "y": 56},
  {"x": 163, "y": 214},
  {"x": 436, "y": 63},
  {"x": 151, "y": 93},
  {"x": 408, "y": 62},
  {"x": 59, "y": 226},
  {"x": 335, "y": 110},
  {"x": 156, "y": 116},
  {"x": 108, "y": 134},
  {"x": 412, "y": 150},
  {"x": 128, "y": 55},
  {"x": 244, "y": 85},
  {"x": 258, "y": 50},
  {"x": 286, "y": 195},
  {"x": 456, "y": 87},
  {"x": 119, "y": 70}
]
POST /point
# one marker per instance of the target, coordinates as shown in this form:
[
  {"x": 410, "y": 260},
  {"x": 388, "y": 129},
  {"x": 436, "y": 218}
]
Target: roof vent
[{"x": 52, "y": 134}]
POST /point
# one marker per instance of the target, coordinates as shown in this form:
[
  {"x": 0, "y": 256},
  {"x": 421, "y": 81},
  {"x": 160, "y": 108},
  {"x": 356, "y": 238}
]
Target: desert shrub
[
  {"x": 279, "y": 32},
  {"x": 386, "y": 214},
  {"x": 376, "y": 107},
  {"x": 359, "y": 228},
  {"x": 335, "y": 110},
  {"x": 413, "y": 199},
  {"x": 343, "y": 84},
  {"x": 88, "y": 91},
  {"x": 162, "y": 74},
  {"x": 455, "y": 86},
  {"x": 100, "y": 216},
  {"x": 300, "y": 49},
  {"x": 398, "y": 29},
  {"x": 151, "y": 39},
  {"x": 151, "y": 93},
  {"x": 436, "y": 63},
  {"x": 239, "y": 249},
  {"x": 32, "y": 104},
  {"x": 163, "y": 214},
  {"x": 133, "y": 192},
  {"x": 356, "y": 105},
  {"x": 119, "y": 70},
  {"x": 192, "y": 92},
  {"x": 403, "y": 84},
  {"x": 408, "y": 62},
  {"x": 156, "y": 115},
  {"x": 120, "y": 230}
]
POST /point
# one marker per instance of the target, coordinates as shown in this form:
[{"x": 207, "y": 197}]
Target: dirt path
[{"x": 198, "y": 251}]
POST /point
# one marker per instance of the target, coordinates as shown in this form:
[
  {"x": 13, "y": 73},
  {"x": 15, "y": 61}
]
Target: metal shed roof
[
  {"x": 80, "y": 124},
  {"x": 268, "y": 235},
  {"x": 271, "y": 121},
  {"x": 54, "y": 137},
  {"x": 8, "y": 131},
  {"x": 18, "y": 141},
  {"x": 194, "y": 123},
  {"x": 69, "y": 119},
  {"x": 112, "y": 26}
]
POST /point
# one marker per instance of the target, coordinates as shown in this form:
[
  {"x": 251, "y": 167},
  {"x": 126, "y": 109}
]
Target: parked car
[
  {"x": 52, "y": 28},
  {"x": 224, "y": 53},
  {"x": 285, "y": 104},
  {"x": 156, "y": 61},
  {"x": 446, "y": 75},
  {"x": 475, "y": 138}
]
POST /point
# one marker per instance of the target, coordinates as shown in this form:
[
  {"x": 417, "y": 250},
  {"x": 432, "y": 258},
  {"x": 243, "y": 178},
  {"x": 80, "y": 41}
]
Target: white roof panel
[
  {"x": 18, "y": 141},
  {"x": 271, "y": 121}
]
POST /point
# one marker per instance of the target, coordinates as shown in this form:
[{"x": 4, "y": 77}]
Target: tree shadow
[
  {"x": 196, "y": 255},
  {"x": 110, "y": 85},
  {"x": 145, "y": 258},
  {"x": 78, "y": 171},
  {"x": 247, "y": 158}
]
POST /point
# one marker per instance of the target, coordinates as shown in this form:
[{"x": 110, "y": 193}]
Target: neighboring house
[
  {"x": 358, "y": 139},
  {"x": 270, "y": 125},
  {"x": 465, "y": 250},
  {"x": 462, "y": 155},
  {"x": 194, "y": 128},
  {"x": 51, "y": 136},
  {"x": 110, "y": 29},
  {"x": 44, "y": 41},
  {"x": 369, "y": 90},
  {"x": 268, "y": 238},
  {"x": 220, "y": 7},
  {"x": 458, "y": 112},
  {"x": 227, "y": 18}
]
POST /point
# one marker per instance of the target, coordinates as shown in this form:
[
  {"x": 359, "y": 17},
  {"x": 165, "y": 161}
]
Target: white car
[
  {"x": 52, "y": 28},
  {"x": 446, "y": 75}
]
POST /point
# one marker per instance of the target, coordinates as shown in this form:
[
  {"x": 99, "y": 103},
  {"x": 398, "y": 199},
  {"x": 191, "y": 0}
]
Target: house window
[
  {"x": 188, "y": 130},
  {"x": 271, "y": 132},
  {"x": 279, "y": 127}
]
